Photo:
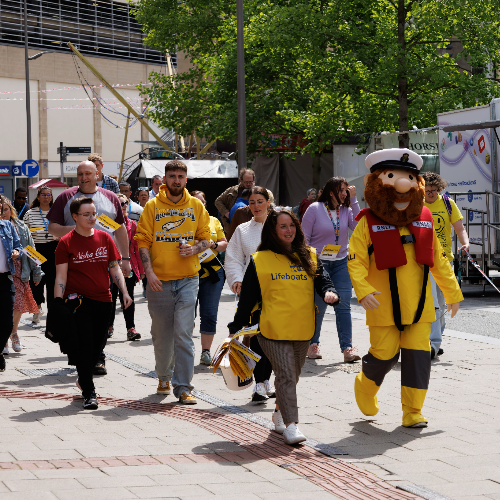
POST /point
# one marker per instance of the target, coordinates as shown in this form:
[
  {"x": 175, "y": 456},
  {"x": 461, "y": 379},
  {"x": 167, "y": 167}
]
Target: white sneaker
[
  {"x": 279, "y": 425},
  {"x": 259, "y": 394},
  {"x": 36, "y": 318},
  {"x": 40, "y": 310},
  {"x": 16, "y": 343},
  {"x": 6, "y": 349},
  {"x": 292, "y": 435},
  {"x": 271, "y": 393}
]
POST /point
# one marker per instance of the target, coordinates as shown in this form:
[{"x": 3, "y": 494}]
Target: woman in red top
[
  {"x": 85, "y": 257},
  {"x": 136, "y": 275}
]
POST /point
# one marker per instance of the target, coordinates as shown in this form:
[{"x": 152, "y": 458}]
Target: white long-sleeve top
[{"x": 243, "y": 243}]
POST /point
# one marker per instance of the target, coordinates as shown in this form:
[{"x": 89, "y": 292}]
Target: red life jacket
[{"x": 388, "y": 243}]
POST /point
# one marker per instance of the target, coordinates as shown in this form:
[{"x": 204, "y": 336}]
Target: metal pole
[
  {"x": 27, "y": 74},
  {"x": 61, "y": 160},
  {"x": 242, "y": 121},
  {"x": 124, "y": 147}
]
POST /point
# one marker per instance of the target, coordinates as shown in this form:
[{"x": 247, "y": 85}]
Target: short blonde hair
[
  {"x": 122, "y": 197},
  {"x": 93, "y": 157}
]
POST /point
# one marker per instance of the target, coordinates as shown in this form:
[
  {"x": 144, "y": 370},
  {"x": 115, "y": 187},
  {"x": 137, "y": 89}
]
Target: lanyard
[
  {"x": 129, "y": 207},
  {"x": 336, "y": 225},
  {"x": 45, "y": 223}
]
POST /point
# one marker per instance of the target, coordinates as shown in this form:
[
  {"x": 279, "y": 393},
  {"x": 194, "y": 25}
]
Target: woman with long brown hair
[
  {"x": 283, "y": 276},
  {"x": 36, "y": 220},
  {"x": 326, "y": 227}
]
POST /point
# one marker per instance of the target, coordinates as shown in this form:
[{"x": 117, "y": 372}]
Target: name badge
[
  {"x": 330, "y": 252},
  {"x": 205, "y": 255},
  {"x": 36, "y": 257},
  {"x": 382, "y": 227},
  {"x": 422, "y": 223},
  {"x": 107, "y": 223}
]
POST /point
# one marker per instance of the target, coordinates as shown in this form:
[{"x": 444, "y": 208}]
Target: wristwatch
[
  {"x": 216, "y": 244},
  {"x": 125, "y": 258}
]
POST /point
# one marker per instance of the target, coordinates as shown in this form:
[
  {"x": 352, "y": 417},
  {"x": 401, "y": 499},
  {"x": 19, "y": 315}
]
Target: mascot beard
[{"x": 381, "y": 198}]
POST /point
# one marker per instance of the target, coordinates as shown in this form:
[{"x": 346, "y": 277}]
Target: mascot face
[{"x": 395, "y": 195}]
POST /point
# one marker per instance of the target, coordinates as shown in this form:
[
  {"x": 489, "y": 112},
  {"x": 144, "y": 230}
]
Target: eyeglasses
[
  {"x": 434, "y": 191},
  {"x": 45, "y": 195},
  {"x": 89, "y": 216},
  {"x": 124, "y": 203},
  {"x": 21, "y": 198}
]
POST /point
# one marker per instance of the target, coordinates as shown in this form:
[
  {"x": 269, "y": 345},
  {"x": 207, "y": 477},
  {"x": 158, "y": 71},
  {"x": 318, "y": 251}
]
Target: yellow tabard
[{"x": 287, "y": 297}]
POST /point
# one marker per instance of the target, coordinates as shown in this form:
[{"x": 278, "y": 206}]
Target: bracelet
[
  {"x": 216, "y": 244},
  {"x": 125, "y": 258}
]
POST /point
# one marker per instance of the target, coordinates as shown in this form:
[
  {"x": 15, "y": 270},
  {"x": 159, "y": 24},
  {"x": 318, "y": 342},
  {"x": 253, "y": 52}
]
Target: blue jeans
[
  {"x": 339, "y": 274},
  {"x": 438, "y": 326},
  {"x": 172, "y": 322},
  {"x": 208, "y": 298}
]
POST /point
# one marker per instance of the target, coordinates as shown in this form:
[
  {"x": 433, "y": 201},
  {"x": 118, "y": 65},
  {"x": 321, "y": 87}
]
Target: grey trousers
[
  {"x": 287, "y": 359},
  {"x": 172, "y": 322}
]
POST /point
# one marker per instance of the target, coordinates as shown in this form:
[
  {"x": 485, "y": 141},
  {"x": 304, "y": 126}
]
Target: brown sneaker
[
  {"x": 163, "y": 388},
  {"x": 187, "y": 399},
  {"x": 313, "y": 352},
  {"x": 350, "y": 355}
]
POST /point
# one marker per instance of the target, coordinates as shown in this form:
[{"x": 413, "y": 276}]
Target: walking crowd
[{"x": 286, "y": 266}]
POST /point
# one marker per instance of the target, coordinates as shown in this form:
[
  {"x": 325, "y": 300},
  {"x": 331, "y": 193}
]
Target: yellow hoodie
[{"x": 163, "y": 224}]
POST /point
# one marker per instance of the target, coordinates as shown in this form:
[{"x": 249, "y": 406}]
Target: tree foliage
[{"x": 321, "y": 69}]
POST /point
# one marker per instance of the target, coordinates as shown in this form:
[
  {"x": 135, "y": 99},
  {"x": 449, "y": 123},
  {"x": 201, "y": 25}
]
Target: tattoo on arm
[
  {"x": 201, "y": 246},
  {"x": 145, "y": 259},
  {"x": 62, "y": 286},
  {"x": 113, "y": 263}
]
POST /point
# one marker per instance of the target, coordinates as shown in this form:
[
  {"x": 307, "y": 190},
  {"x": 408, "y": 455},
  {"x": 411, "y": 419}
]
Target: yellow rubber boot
[
  {"x": 365, "y": 391},
  {"x": 412, "y": 417}
]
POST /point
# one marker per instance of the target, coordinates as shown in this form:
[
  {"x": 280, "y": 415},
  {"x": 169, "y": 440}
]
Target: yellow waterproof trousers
[{"x": 386, "y": 344}]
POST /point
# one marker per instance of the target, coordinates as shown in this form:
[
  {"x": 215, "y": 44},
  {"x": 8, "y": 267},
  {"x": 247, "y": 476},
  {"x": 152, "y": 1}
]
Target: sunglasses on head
[
  {"x": 142, "y": 189},
  {"x": 124, "y": 203}
]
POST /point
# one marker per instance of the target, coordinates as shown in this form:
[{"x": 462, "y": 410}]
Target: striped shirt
[{"x": 35, "y": 223}]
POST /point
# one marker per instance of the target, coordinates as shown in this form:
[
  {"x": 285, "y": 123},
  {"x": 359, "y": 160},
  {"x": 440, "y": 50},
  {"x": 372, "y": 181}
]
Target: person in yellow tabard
[
  {"x": 281, "y": 278},
  {"x": 391, "y": 252}
]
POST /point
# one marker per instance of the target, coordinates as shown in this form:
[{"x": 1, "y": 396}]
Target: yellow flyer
[
  {"x": 34, "y": 255},
  {"x": 36, "y": 229},
  {"x": 108, "y": 224},
  {"x": 330, "y": 252}
]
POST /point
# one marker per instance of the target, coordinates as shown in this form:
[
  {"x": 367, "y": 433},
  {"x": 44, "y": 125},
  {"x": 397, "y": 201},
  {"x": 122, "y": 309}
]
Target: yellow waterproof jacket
[
  {"x": 163, "y": 224},
  {"x": 366, "y": 278}
]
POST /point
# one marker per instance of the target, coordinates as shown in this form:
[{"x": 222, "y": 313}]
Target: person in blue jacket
[
  {"x": 241, "y": 201},
  {"x": 9, "y": 251}
]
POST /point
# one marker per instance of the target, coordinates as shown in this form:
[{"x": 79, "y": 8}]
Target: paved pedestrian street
[{"x": 142, "y": 445}]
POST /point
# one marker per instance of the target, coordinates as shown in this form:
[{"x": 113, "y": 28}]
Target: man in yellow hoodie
[{"x": 172, "y": 231}]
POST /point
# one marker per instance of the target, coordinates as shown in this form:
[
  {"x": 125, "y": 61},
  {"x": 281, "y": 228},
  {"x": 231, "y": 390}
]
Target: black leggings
[
  {"x": 128, "y": 313},
  {"x": 263, "y": 368},
  {"x": 91, "y": 319},
  {"x": 7, "y": 294},
  {"x": 49, "y": 278}
]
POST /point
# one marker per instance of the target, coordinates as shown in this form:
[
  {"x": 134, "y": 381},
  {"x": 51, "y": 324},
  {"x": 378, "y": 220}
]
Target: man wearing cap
[{"x": 390, "y": 254}]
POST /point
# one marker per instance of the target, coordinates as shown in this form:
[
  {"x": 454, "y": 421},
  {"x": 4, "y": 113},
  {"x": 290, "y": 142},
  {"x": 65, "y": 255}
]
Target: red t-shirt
[{"x": 87, "y": 258}]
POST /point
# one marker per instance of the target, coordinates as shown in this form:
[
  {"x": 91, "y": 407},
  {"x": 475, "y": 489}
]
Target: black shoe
[
  {"x": 433, "y": 353},
  {"x": 90, "y": 403},
  {"x": 100, "y": 369},
  {"x": 440, "y": 352},
  {"x": 2, "y": 363},
  {"x": 133, "y": 335}
]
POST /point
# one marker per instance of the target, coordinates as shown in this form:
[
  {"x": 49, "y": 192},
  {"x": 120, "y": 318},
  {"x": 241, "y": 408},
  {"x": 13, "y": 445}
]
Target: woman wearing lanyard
[
  {"x": 283, "y": 276},
  {"x": 24, "y": 266},
  {"x": 326, "y": 224},
  {"x": 35, "y": 219},
  {"x": 243, "y": 244},
  {"x": 211, "y": 284}
]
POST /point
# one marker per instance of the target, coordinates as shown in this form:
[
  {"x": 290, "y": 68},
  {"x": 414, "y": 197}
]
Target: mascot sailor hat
[{"x": 396, "y": 158}]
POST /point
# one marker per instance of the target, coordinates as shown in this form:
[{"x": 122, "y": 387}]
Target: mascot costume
[{"x": 390, "y": 253}]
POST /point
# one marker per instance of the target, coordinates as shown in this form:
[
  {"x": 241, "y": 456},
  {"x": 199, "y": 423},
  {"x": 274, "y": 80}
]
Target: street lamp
[
  {"x": 242, "y": 121},
  {"x": 27, "y": 69}
]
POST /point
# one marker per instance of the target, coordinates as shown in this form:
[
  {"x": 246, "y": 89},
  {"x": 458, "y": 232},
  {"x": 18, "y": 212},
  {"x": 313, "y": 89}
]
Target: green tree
[{"x": 321, "y": 69}]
